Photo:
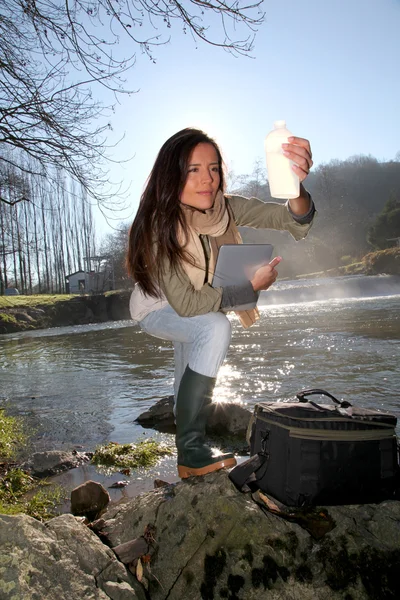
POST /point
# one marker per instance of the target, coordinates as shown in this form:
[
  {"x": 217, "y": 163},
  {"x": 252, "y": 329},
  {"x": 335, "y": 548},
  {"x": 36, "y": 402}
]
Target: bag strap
[
  {"x": 302, "y": 397},
  {"x": 245, "y": 475}
]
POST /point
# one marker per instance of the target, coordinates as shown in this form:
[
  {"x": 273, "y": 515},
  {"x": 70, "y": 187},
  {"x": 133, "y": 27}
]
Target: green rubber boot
[{"x": 192, "y": 408}]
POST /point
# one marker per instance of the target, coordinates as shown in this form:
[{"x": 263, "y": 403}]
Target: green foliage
[
  {"x": 143, "y": 454},
  {"x": 12, "y": 435},
  {"x": 41, "y": 505},
  {"x": 386, "y": 226},
  {"x": 14, "y": 487},
  {"x": 7, "y": 318},
  {"x": 15, "y": 484},
  {"x": 383, "y": 261}
]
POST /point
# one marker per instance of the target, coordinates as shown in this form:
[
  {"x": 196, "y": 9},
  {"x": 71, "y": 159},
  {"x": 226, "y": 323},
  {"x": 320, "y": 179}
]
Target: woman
[{"x": 182, "y": 219}]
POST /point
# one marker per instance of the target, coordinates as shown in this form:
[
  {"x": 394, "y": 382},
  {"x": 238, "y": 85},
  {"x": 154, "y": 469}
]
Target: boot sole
[{"x": 185, "y": 472}]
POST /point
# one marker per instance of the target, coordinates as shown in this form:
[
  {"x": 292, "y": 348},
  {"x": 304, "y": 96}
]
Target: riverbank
[
  {"x": 40, "y": 484},
  {"x": 227, "y": 540},
  {"x": 22, "y": 313},
  {"x": 382, "y": 262},
  {"x": 125, "y": 470}
]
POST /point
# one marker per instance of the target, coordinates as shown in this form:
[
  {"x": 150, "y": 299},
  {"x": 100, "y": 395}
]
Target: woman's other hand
[
  {"x": 299, "y": 151},
  {"x": 265, "y": 276}
]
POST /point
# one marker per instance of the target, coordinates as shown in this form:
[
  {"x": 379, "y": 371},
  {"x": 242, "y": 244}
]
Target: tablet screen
[{"x": 237, "y": 263}]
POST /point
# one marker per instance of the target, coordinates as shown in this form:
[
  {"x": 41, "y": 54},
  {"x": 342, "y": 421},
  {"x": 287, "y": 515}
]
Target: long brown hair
[{"x": 153, "y": 235}]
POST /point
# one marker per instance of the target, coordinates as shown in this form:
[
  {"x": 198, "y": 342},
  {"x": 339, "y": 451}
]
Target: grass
[
  {"x": 36, "y": 300},
  {"x": 6, "y": 318},
  {"x": 12, "y": 435},
  {"x": 121, "y": 291},
  {"x": 142, "y": 454},
  {"x": 17, "y": 488},
  {"x": 45, "y": 299}
]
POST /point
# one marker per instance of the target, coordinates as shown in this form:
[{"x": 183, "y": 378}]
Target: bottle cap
[{"x": 279, "y": 124}]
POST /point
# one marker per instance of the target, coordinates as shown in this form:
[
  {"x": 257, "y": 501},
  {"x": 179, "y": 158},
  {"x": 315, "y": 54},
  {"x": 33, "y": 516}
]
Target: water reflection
[{"x": 86, "y": 385}]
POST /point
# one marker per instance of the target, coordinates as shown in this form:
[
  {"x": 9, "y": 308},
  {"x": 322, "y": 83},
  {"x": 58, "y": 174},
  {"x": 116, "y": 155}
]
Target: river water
[{"x": 85, "y": 385}]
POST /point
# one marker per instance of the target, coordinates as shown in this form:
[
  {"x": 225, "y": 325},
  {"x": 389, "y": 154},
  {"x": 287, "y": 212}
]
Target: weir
[{"x": 352, "y": 286}]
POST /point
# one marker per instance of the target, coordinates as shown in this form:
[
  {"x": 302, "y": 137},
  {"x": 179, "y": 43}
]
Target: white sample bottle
[{"x": 283, "y": 181}]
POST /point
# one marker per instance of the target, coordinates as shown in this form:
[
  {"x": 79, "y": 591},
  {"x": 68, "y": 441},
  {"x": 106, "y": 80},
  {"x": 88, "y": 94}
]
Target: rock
[
  {"x": 228, "y": 419},
  {"x": 206, "y": 541},
  {"x": 225, "y": 419},
  {"x": 60, "y": 560},
  {"x": 119, "y": 591},
  {"x": 46, "y": 464},
  {"x": 214, "y": 542},
  {"x": 132, "y": 550},
  {"x": 160, "y": 483},
  {"x": 89, "y": 499},
  {"x": 97, "y": 525},
  {"x": 83, "y": 520},
  {"x": 24, "y": 316},
  {"x": 160, "y": 416}
]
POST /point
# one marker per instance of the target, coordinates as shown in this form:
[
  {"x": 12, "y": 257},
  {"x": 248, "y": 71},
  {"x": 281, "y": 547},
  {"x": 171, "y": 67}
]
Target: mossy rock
[{"x": 143, "y": 454}]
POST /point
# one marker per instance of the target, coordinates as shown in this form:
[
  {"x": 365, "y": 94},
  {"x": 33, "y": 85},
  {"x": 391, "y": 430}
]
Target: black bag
[{"x": 306, "y": 454}]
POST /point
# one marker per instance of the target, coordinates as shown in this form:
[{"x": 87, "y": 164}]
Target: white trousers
[{"x": 200, "y": 342}]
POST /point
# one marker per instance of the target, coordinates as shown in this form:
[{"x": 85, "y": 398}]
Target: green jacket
[{"x": 176, "y": 286}]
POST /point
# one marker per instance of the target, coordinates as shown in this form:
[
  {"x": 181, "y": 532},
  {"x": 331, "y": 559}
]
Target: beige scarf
[{"x": 219, "y": 225}]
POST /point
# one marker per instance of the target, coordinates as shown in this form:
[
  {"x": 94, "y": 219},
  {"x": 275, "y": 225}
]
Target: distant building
[{"x": 85, "y": 282}]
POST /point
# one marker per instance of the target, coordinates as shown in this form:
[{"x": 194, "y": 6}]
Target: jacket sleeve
[
  {"x": 184, "y": 298},
  {"x": 251, "y": 212},
  {"x": 189, "y": 302}
]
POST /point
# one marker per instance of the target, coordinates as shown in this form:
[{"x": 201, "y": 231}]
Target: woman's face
[{"x": 203, "y": 178}]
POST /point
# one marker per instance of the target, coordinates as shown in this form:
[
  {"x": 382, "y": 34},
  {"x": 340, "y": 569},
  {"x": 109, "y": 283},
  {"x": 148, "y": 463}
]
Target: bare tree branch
[
  {"x": 54, "y": 53},
  {"x": 13, "y": 202}
]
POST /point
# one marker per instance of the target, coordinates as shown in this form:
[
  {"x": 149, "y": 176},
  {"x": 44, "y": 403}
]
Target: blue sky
[{"x": 330, "y": 69}]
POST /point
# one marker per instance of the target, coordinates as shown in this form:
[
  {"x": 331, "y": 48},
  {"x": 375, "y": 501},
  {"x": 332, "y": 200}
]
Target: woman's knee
[
  {"x": 211, "y": 345},
  {"x": 218, "y": 328}
]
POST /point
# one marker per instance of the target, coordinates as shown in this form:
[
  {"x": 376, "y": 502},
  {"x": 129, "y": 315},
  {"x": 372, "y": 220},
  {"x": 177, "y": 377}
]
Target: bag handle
[{"x": 302, "y": 397}]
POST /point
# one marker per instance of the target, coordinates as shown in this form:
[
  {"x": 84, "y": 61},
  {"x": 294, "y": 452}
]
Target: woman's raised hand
[
  {"x": 265, "y": 276},
  {"x": 299, "y": 151}
]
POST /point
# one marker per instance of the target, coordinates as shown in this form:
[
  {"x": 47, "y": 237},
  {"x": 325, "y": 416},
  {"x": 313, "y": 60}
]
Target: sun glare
[
  {"x": 225, "y": 388},
  {"x": 211, "y": 125}
]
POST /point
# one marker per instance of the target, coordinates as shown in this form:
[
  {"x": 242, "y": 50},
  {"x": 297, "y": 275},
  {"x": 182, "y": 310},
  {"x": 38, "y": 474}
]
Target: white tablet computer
[{"x": 237, "y": 263}]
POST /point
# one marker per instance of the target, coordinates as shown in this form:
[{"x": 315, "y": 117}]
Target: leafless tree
[
  {"x": 254, "y": 185},
  {"x": 53, "y": 54},
  {"x": 113, "y": 247},
  {"x": 43, "y": 240}
]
